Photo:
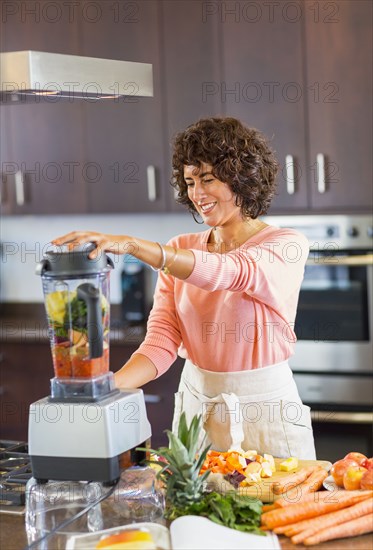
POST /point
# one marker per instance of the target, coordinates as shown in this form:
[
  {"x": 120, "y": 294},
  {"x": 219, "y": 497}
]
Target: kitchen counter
[{"x": 13, "y": 537}]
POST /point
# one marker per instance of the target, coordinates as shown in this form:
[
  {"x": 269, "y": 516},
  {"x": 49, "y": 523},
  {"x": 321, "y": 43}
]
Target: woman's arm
[
  {"x": 138, "y": 370},
  {"x": 179, "y": 262}
]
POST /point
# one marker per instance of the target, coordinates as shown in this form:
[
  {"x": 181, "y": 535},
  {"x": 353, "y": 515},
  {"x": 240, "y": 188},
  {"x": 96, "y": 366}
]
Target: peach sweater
[{"x": 236, "y": 311}]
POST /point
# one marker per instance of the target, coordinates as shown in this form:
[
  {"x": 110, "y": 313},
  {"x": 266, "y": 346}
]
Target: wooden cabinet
[
  {"x": 26, "y": 369},
  {"x": 125, "y": 137},
  {"x": 191, "y": 70},
  {"x": 301, "y": 73},
  {"x": 41, "y": 149},
  {"x": 159, "y": 394},
  {"x": 25, "y": 372},
  {"x": 339, "y": 80}
]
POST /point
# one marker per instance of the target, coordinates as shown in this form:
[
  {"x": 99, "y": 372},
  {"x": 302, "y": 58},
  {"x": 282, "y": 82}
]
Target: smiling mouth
[{"x": 207, "y": 207}]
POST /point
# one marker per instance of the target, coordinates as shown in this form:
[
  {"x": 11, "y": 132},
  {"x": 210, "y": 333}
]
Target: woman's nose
[{"x": 198, "y": 190}]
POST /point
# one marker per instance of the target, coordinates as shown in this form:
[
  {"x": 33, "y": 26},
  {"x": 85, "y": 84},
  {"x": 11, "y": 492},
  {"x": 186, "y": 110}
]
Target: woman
[{"x": 226, "y": 298}]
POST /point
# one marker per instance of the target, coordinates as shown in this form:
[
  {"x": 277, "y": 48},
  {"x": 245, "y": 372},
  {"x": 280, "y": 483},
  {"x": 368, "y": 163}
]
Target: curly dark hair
[{"x": 239, "y": 156}]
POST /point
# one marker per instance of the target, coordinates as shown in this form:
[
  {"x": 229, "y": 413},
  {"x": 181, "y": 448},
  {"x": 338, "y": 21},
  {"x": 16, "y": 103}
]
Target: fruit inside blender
[{"x": 68, "y": 324}]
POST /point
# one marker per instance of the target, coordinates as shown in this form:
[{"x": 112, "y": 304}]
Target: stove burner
[{"x": 15, "y": 471}]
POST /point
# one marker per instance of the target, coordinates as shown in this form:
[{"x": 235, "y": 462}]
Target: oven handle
[
  {"x": 360, "y": 260},
  {"x": 337, "y": 417}
]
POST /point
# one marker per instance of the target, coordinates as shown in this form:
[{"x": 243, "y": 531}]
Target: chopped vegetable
[{"x": 289, "y": 464}]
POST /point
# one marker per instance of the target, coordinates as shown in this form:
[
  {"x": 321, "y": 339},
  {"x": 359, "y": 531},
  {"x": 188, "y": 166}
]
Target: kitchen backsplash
[{"x": 24, "y": 238}]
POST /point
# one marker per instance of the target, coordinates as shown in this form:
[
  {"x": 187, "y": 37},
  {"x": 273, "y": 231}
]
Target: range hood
[{"x": 29, "y": 75}]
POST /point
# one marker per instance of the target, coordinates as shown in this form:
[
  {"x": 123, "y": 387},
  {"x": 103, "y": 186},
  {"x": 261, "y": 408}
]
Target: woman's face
[{"x": 212, "y": 198}]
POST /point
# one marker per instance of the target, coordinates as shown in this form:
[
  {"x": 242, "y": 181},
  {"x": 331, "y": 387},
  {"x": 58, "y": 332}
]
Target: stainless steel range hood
[{"x": 29, "y": 75}]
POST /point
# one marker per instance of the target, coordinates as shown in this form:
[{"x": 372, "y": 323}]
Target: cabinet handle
[
  {"x": 290, "y": 181},
  {"x": 152, "y": 184},
  {"x": 151, "y": 398},
  {"x": 320, "y": 162},
  {"x": 20, "y": 189}
]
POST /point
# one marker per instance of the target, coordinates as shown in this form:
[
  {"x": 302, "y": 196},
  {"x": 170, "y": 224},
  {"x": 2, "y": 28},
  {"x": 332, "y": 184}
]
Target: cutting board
[{"x": 263, "y": 489}]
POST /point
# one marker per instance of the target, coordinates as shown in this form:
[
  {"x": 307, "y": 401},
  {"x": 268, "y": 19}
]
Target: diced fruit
[
  {"x": 290, "y": 463},
  {"x": 252, "y": 467},
  {"x": 271, "y": 460},
  {"x": 250, "y": 479},
  {"x": 55, "y": 304},
  {"x": 266, "y": 470},
  {"x": 251, "y": 454}
]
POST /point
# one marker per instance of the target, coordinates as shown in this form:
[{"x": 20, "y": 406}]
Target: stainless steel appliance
[
  {"x": 24, "y": 75},
  {"x": 81, "y": 430},
  {"x": 332, "y": 363}
]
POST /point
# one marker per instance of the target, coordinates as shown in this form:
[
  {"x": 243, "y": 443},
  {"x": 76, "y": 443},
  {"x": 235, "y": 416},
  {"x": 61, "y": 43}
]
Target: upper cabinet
[
  {"x": 301, "y": 73},
  {"x": 298, "y": 71},
  {"x": 339, "y": 83},
  {"x": 191, "y": 46},
  {"x": 41, "y": 143},
  {"x": 124, "y": 138}
]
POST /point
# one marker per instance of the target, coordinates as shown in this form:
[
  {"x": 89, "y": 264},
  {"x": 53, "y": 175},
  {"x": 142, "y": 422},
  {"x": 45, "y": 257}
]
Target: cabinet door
[
  {"x": 263, "y": 86},
  {"x": 43, "y": 141},
  {"x": 124, "y": 138},
  {"x": 339, "y": 46},
  {"x": 191, "y": 68},
  {"x": 26, "y": 370}
]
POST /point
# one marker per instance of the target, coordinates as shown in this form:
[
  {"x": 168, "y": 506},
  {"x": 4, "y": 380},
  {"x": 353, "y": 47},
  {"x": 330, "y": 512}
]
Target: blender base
[
  {"x": 76, "y": 441},
  {"x": 44, "y": 468}
]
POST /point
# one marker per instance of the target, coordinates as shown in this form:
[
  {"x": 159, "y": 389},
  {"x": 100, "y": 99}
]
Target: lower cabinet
[
  {"x": 159, "y": 395},
  {"x": 25, "y": 373}
]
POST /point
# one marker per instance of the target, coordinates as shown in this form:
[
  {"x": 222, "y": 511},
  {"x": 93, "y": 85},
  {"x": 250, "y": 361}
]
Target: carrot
[
  {"x": 318, "y": 496},
  {"x": 290, "y": 481},
  {"x": 268, "y": 507},
  {"x": 334, "y": 518},
  {"x": 305, "y": 510},
  {"x": 295, "y": 528},
  {"x": 314, "y": 482},
  {"x": 353, "y": 528}
]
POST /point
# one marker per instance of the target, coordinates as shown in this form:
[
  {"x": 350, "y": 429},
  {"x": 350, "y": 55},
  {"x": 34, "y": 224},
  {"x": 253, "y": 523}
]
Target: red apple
[
  {"x": 368, "y": 464},
  {"x": 352, "y": 477},
  {"x": 366, "y": 481},
  {"x": 357, "y": 457},
  {"x": 339, "y": 469}
]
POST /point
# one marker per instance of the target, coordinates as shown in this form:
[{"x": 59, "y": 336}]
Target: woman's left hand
[{"x": 116, "y": 244}]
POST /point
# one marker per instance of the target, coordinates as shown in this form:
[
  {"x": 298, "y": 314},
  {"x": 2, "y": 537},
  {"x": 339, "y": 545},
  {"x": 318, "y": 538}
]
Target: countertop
[{"x": 13, "y": 537}]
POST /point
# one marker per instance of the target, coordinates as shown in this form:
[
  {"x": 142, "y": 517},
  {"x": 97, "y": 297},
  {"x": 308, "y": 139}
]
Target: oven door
[
  {"x": 341, "y": 412},
  {"x": 334, "y": 318}
]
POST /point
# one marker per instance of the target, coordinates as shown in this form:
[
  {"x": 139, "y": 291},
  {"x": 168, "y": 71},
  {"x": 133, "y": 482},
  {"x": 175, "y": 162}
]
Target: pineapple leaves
[{"x": 179, "y": 469}]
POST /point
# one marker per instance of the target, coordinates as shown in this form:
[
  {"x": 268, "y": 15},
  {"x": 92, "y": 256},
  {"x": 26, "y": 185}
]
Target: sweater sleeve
[
  {"x": 163, "y": 337},
  {"x": 269, "y": 271}
]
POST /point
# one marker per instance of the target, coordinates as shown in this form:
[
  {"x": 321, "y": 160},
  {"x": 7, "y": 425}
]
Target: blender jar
[{"x": 76, "y": 294}]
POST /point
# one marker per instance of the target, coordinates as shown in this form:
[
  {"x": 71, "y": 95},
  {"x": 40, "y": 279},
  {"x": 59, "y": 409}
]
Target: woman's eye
[
  {"x": 189, "y": 184},
  {"x": 208, "y": 181}
]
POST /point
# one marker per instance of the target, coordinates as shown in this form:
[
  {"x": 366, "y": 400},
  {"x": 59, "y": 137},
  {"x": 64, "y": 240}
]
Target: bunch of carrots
[{"x": 309, "y": 516}]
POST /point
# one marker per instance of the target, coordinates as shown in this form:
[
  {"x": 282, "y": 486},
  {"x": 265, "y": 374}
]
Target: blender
[{"x": 82, "y": 429}]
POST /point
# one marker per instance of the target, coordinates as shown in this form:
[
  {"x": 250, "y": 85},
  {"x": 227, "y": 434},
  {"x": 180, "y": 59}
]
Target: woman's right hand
[{"x": 116, "y": 244}]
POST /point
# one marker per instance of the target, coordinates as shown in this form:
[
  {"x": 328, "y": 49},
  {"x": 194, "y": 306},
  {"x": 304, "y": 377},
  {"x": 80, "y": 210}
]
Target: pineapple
[{"x": 180, "y": 471}]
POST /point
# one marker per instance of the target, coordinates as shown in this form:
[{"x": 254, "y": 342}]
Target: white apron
[{"x": 256, "y": 409}]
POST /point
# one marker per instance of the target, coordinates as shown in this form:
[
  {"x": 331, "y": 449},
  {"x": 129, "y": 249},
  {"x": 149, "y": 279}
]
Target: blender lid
[{"x": 73, "y": 263}]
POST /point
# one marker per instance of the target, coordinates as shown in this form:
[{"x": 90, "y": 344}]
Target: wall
[{"x": 23, "y": 239}]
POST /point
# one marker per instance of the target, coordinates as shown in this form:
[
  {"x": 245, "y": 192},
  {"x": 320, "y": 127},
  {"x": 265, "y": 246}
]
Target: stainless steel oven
[{"x": 332, "y": 364}]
